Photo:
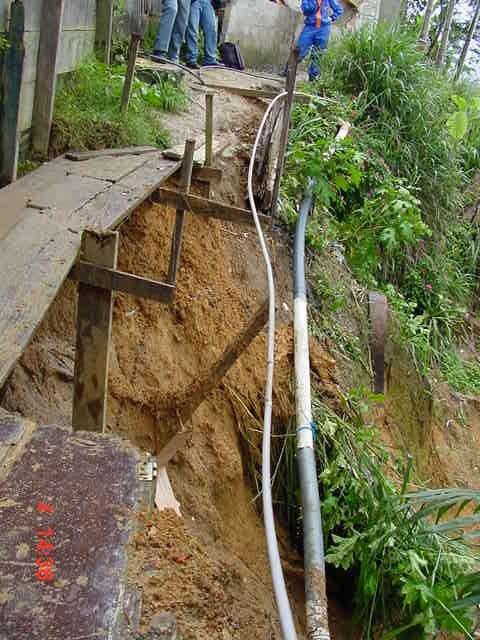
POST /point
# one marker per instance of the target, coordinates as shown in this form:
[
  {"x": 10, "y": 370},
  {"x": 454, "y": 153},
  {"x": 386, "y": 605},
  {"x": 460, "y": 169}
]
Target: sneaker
[
  {"x": 193, "y": 65},
  {"x": 159, "y": 56},
  {"x": 215, "y": 63}
]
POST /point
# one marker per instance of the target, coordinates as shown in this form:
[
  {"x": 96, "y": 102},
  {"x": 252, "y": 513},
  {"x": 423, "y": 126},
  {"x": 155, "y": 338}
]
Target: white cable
[{"x": 281, "y": 597}]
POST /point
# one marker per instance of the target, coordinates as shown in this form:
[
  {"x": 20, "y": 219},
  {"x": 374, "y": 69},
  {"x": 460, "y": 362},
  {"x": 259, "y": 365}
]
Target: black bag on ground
[{"x": 231, "y": 56}]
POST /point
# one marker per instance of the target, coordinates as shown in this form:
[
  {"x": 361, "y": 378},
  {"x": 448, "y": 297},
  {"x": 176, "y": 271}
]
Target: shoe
[
  {"x": 160, "y": 57},
  {"x": 213, "y": 64},
  {"x": 193, "y": 65}
]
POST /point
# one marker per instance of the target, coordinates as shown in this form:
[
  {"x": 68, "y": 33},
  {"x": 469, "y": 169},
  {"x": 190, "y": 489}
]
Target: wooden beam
[
  {"x": 104, "y": 29},
  {"x": 94, "y": 327},
  {"x": 205, "y": 207},
  {"x": 208, "y": 129},
  {"x": 81, "y": 156},
  {"x": 172, "y": 447},
  {"x": 207, "y": 174},
  {"x": 113, "y": 280},
  {"x": 199, "y": 390},
  {"x": 287, "y": 114},
  {"x": 11, "y": 74},
  {"x": 47, "y": 63},
  {"x": 130, "y": 75},
  {"x": 260, "y": 94},
  {"x": 378, "y": 309},
  {"x": 185, "y": 182}
]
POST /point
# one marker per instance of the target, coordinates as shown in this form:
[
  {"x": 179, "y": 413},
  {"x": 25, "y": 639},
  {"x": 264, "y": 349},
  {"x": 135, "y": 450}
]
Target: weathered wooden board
[
  {"x": 151, "y": 174},
  {"x": 108, "y": 168},
  {"x": 128, "y": 283},
  {"x": 46, "y": 79},
  {"x": 80, "y": 156},
  {"x": 35, "y": 258},
  {"x": 94, "y": 328},
  {"x": 71, "y": 193},
  {"x": 208, "y": 208}
]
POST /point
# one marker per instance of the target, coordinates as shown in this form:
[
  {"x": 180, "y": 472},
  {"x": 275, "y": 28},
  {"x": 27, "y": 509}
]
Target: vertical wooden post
[
  {"x": 50, "y": 32},
  {"x": 287, "y": 111},
  {"x": 185, "y": 183},
  {"x": 130, "y": 75},
  {"x": 209, "y": 129},
  {"x": 11, "y": 80},
  {"x": 104, "y": 29},
  {"x": 94, "y": 327}
]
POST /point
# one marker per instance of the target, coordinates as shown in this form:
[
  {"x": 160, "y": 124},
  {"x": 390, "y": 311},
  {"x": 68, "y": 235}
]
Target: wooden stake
[
  {"x": 50, "y": 32},
  {"x": 378, "y": 308},
  {"x": 198, "y": 391},
  {"x": 12, "y": 74},
  {"x": 104, "y": 29},
  {"x": 287, "y": 112},
  {"x": 209, "y": 129},
  {"x": 94, "y": 327},
  {"x": 130, "y": 75},
  {"x": 185, "y": 183}
]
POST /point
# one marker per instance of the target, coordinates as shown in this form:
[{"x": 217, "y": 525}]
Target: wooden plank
[
  {"x": 378, "y": 308},
  {"x": 114, "y": 280},
  {"x": 198, "y": 390},
  {"x": 185, "y": 182},
  {"x": 208, "y": 129},
  {"x": 47, "y": 66},
  {"x": 206, "y": 207},
  {"x": 150, "y": 175},
  {"x": 81, "y": 156},
  {"x": 130, "y": 75},
  {"x": 287, "y": 114},
  {"x": 207, "y": 174},
  {"x": 94, "y": 327},
  {"x": 104, "y": 28},
  {"x": 259, "y": 94},
  {"x": 67, "y": 194},
  {"x": 176, "y": 153},
  {"x": 107, "y": 168},
  {"x": 35, "y": 258},
  {"x": 11, "y": 79}
]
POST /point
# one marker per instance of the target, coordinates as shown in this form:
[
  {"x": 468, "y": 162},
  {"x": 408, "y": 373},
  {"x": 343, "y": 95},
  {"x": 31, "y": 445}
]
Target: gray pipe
[{"x": 314, "y": 560}]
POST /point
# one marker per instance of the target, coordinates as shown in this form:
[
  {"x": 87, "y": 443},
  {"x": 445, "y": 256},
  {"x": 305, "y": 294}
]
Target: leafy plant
[{"x": 405, "y": 549}]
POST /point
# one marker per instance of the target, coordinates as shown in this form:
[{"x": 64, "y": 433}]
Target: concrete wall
[
  {"x": 389, "y": 10},
  {"x": 265, "y": 31},
  {"x": 368, "y": 12},
  {"x": 76, "y": 44}
]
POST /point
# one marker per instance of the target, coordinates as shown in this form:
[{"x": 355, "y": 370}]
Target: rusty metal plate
[{"x": 66, "y": 512}]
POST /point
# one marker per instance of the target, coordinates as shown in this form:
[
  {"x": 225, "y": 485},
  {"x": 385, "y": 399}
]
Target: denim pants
[
  {"x": 202, "y": 16},
  {"x": 316, "y": 39},
  {"x": 171, "y": 28}
]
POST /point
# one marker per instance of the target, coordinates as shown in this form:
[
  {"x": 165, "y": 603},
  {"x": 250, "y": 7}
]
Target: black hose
[{"x": 299, "y": 282}]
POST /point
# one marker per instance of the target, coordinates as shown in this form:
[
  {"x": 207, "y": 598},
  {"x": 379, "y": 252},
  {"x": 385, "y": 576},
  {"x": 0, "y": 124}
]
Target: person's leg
[
  {"x": 320, "y": 43},
  {"x": 208, "y": 24},
  {"x": 165, "y": 27},
  {"x": 305, "y": 42},
  {"x": 192, "y": 33},
  {"x": 179, "y": 28}
]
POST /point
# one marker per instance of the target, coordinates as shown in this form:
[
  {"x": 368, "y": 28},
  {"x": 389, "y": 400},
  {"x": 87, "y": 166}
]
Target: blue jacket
[{"x": 318, "y": 12}]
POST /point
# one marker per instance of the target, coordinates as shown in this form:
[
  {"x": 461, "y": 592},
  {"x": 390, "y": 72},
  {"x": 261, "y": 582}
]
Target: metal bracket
[{"x": 147, "y": 470}]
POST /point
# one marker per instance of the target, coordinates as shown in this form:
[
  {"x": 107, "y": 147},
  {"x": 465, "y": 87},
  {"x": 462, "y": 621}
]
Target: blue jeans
[
  {"x": 202, "y": 16},
  {"x": 316, "y": 39},
  {"x": 171, "y": 28}
]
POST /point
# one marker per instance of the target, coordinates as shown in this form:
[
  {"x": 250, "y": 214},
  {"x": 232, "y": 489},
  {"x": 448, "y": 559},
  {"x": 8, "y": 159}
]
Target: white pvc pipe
[{"x": 281, "y": 596}]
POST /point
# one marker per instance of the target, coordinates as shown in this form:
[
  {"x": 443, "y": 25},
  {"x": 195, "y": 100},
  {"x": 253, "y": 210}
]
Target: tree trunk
[
  {"x": 439, "y": 62},
  {"x": 468, "y": 41},
  {"x": 426, "y": 20}
]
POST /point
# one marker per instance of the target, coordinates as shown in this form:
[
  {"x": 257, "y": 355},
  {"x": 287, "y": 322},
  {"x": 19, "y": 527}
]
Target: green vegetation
[
  {"x": 87, "y": 110},
  {"x": 390, "y": 201},
  {"x": 393, "y": 193},
  {"x": 404, "y": 555}
]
